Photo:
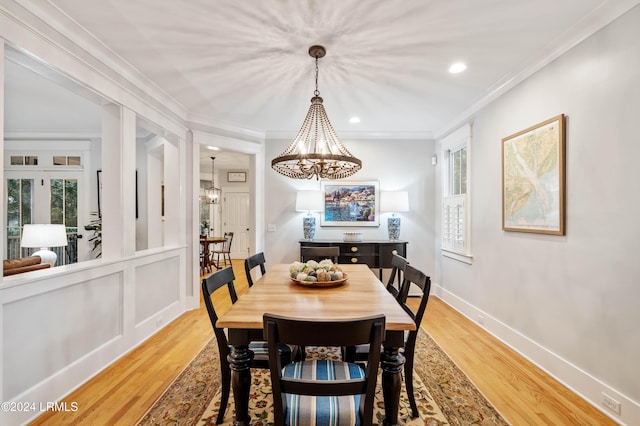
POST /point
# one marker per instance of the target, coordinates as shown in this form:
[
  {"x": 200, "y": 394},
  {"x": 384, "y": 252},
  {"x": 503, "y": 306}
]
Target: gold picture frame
[{"x": 533, "y": 179}]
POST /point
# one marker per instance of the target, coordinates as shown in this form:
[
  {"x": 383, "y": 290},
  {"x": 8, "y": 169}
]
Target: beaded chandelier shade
[{"x": 316, "y": 149}]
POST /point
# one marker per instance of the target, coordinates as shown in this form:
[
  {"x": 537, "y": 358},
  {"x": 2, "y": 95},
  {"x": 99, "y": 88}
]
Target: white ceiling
[{"x": 245, "y": 63}]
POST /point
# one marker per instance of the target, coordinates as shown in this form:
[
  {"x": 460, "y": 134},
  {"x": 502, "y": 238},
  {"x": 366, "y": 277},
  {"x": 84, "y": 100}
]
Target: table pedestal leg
[
  {"x": 240, "y": 361},
  {"x": 391, "y": 364}
]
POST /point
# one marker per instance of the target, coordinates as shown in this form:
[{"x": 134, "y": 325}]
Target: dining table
[{"x": 361, "y": 295}]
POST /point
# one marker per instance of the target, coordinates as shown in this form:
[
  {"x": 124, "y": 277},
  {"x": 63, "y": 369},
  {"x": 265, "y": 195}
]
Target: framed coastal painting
[
  {"x": 533, "y": 179},
  {"x": 350, "y": 203}
]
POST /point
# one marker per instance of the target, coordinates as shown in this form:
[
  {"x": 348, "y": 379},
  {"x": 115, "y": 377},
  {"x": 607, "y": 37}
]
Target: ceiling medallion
[{"x": 316, "y": 150}]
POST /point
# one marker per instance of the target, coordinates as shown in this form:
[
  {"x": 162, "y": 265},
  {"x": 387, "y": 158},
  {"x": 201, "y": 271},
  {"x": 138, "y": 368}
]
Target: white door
[
  {"x": 235, "y": 218},
  {"x": 45, "y": 197}
]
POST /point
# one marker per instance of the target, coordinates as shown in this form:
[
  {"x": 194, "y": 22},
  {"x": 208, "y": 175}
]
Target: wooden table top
[
  {"x": 360, "y": 296},
  {"x": 214, "y": 240}
]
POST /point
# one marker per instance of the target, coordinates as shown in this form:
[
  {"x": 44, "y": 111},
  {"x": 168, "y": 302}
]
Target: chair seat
[
  {"x": 261, "y": 350},
  {"x": 305, "y": 410}
]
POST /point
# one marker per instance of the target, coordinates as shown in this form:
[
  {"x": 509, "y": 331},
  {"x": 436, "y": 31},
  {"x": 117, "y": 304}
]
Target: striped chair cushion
[
  {"x": 261, "y": 352},
  {"x": 303, "y": 410}
]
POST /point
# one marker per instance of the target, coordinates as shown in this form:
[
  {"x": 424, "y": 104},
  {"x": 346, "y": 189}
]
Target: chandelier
[
  {"x": 316, "y": 150},
  {"x": 212, "y": 193}
]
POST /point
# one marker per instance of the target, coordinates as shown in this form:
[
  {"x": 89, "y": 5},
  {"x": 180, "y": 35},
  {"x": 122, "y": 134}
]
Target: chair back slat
[
  {"x": 398, "y": 265},
  {"x": 253, "y": 262}
]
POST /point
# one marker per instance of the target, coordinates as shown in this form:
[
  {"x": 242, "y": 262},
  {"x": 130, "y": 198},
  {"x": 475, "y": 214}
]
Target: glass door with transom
[{"x": 43, "y": 197}]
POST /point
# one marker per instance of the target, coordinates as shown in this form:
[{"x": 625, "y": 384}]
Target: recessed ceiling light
[
  {"x": 354, "y": 120},
  {"x": 457, "y": 67},
  {"x": 213, "y": 148}
]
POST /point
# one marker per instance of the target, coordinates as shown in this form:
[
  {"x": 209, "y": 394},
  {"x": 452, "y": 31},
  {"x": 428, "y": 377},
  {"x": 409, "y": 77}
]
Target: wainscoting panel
[
  {"x": 45, "y": 332},
  {"x": 157, "y": 285},
  {"x": 62, "y": 326}
]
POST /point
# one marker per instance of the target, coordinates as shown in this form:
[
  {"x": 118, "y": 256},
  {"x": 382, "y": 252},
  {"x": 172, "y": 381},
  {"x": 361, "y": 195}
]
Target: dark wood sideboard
[{"x": 376, "y": 254}]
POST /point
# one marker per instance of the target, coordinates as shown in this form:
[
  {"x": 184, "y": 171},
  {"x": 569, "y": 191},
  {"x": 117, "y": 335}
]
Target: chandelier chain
[{"x": 316, "y": 92}]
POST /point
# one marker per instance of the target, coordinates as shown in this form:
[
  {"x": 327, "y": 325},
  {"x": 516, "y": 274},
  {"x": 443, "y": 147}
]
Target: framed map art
[{"x": 533, "y": 179}]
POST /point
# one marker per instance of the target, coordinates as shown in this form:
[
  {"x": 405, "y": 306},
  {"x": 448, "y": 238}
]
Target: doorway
[
  {"x": 235, "y": 218},
  {"x": 43, "y": 197},
  {"x": 232, "y": 213}
]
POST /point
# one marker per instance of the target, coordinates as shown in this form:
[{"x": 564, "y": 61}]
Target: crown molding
[
  {"x": 47, "y": 145},
  {"x": 52, "y": 135},
  {"x": 599, "y": 18},
  {"x": 424, "y": 136}
]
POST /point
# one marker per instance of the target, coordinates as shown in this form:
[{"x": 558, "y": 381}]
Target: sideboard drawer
[
  {"x": 357, "y": 249},
  {"x": 369, "y": 260}
]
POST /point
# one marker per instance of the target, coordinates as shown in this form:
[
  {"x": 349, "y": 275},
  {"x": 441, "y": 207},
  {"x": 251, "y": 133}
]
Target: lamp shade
[
  {"x": 43, "y": 235},
  {"x": 394, "y": 201},
  {"x": 309, "y": 201}
]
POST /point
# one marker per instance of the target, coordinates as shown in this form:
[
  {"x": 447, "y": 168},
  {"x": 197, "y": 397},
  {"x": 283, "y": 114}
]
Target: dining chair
[
  {"x": 216, "y": 281},
  {"x": 398, "y": 265},
  {"x": 411, "y": 276},
  {"x": 253, "y": 262},
  {"x": 323, "y": 392},
  {"x": 225, "y": 251},
  {"x": 319, "y": 253}
]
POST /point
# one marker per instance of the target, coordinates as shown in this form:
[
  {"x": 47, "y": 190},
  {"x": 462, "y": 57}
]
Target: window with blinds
[
  {"x": 453, "y": 223},
  {"x": 455, "y": 208}
]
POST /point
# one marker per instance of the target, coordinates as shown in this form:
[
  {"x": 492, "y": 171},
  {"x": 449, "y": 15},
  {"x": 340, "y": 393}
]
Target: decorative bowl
[
  {"x": 320, "y": 284},
  {"x": 319, "y": 273},
  {"x": 352, "y": 237}
]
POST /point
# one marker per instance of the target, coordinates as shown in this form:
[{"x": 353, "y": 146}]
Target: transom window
[{"x": 24, "y": 160}]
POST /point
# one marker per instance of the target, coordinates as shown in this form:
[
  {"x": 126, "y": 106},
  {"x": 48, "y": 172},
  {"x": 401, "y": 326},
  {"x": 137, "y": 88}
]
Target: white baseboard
[{"x": 580, "y": 382}]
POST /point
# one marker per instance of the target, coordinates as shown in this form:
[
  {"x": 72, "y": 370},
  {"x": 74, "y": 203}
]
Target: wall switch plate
[{"x": 271, "y": 227}]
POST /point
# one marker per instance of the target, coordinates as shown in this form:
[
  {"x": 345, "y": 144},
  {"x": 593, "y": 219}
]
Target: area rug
[{"x": 444, "y": 394}]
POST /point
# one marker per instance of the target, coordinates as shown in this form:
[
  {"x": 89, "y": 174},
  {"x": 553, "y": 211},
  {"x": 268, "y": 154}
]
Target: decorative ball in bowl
[{"x": 317, "y": 274}]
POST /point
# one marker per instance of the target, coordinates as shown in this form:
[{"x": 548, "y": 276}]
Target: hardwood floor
[
  {"x": 122, "y": 393},
  {"x": 522, "y": 393}
]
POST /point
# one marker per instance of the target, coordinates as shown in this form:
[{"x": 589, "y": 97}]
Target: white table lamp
[
  {"x": 394, "y": 202},
  {"x": 309, "y": 201},
  {"x": 44, "y": 236}
]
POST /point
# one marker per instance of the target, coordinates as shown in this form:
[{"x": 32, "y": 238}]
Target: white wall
[
  {"x": 397, "y": 165},
  {"x": 569, "y": 303},
  {"x": 142, "y": 225},
  {"x": 59, "y": 327}
]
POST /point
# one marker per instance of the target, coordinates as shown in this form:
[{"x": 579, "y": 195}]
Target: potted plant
[{"x": 96, "y": 226}]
